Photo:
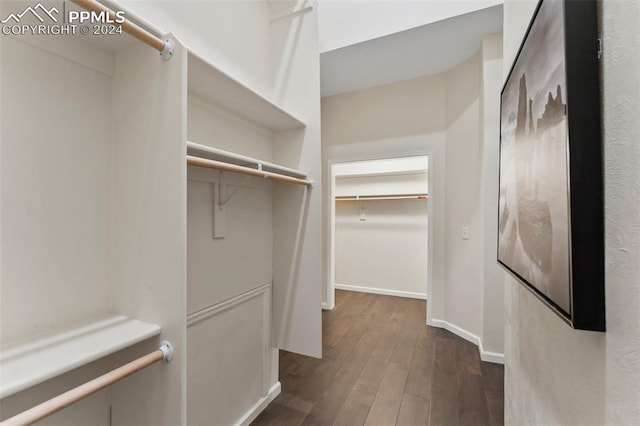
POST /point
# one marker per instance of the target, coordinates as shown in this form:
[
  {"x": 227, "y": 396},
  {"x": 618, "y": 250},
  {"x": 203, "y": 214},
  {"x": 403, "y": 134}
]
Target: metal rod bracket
[
  {"x": 167, "y": 350},
  {"x": 169, "y": 48}
]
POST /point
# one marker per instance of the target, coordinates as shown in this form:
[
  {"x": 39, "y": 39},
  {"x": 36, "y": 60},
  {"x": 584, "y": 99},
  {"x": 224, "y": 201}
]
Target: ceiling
[{"x": 425, "y": 50}]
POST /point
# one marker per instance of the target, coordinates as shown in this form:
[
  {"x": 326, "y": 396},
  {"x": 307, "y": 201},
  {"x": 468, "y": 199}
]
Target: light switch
[{"x": 465, "y": 232}]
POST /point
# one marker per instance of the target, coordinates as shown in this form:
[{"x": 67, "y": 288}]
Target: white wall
[
  {"x": 237, "y": 332},
  {"x": 464, "y": 258},
  {"x": 56, "y": 244},
  {"x": 231, "y": 34},
  {"x": 387, "y": 252},
  {"x": 69, "y": 228},
  {"x": 407, "y": 108},
  {"x": 493, "y": 329},
  {"x": 401, "y": 119},
  {"x": 556, "y": 375},
  {"x": 343, "y": 23}
]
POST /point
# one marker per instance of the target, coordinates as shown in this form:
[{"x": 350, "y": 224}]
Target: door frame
[{"x": 331, "y": 228}]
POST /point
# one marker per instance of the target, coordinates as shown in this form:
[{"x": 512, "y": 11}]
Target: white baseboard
[
  {"x": 488, "y": 356},
  {"x": 325, "y": 307},
  {"x": 470, "y": 337},
  {"x": 259, "y": 406},
  {"x": 494, "y": 357},
  {"x": 382, "y": 291}
]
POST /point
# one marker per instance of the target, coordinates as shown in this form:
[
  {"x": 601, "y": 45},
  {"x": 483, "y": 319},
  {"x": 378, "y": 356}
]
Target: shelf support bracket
[
  {"x": 219, "y": 213},
  {"x": 220, "y": 200},
  {"x": 223, "y": 190},
  {"x": 228, "y": 198}
]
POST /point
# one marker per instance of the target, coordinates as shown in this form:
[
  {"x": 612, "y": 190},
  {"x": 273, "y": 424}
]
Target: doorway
[{"x": 379, "y": 233}]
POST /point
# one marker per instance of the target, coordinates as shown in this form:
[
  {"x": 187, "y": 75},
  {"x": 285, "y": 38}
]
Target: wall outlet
[{"x": 465, "y": 232}]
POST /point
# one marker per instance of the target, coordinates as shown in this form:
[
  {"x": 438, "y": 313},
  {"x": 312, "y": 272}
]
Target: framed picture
[{"x": 550, "y": 229}]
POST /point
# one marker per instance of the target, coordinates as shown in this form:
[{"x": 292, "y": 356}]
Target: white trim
[
  {"x": 326, "y": 307},
  {"x": 330, "y": 247},
  {"x": 488, "y": 356},
  {"x": 263, "y": 291},
  {"x": 259, "y": 406},
  {"x": 384, "y": 291},
  {"x": 331, "y": 238},
  {"x": 266, "y": 339},
  {"x": 433, "y": 196},
  {"x": 494, "y": 357},
  {"x": 205, "y": 313},
  {"x": 460, "y": 332}
]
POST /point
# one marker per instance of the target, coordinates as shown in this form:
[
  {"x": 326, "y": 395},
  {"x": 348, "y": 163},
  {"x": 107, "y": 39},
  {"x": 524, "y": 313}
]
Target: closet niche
[
  {"x": 232, "y": 232},
  {"x": 92, "y": 222},
  {"x": 380, "y": 221}
]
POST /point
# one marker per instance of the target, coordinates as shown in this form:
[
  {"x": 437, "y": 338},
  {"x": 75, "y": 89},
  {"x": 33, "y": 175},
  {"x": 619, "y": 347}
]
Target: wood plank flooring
[{"x": 382, "y": 366}]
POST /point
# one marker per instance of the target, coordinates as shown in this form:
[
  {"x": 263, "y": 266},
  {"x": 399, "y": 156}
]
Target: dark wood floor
[{"x": 382, "y": 366}]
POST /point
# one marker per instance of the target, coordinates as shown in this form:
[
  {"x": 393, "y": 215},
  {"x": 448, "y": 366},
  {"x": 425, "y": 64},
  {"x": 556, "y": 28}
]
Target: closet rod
[
  {"x": 165, "y": 47},
  {"x": 47, "y": 408},
  {"x": 384, "y": 197},
  {"x": 219, "y": 165}
]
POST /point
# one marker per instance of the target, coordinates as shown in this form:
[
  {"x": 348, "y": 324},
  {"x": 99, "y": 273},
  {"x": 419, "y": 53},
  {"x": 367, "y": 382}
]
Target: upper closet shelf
[
  {"x": 382, "y": 197},
  {"x": 215, "y": 86},
  {"x": 29, "y": 362},
  {"x": 209, "y": 153}
]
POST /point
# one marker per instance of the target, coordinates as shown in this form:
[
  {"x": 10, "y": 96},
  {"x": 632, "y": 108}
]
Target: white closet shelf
[
  {"x": 382, "y": 197},
  {"x": 27, "y": 362},
  {"x": 215, "y": 154},
  {"x": 215, "y": 86}
]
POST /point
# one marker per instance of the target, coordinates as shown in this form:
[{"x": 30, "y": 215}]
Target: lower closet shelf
[{"x": 26, "y": 363}]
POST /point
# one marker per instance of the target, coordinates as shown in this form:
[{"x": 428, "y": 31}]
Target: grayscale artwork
[{"x": 534, "y": 217}]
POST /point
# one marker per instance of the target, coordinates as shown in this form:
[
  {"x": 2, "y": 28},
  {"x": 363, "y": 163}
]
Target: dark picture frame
[{"x": 550, "y": 214}]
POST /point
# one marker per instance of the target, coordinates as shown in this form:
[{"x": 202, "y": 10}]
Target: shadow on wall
[
  {"x": 296, "y": 199},
  {"x": 288, "y": 25}
]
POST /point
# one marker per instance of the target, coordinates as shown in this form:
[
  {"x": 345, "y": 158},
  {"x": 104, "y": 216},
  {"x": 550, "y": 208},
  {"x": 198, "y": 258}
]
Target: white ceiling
[
  {"x": 425, "y": 50},
  {"x": 342, "y": 23}
]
